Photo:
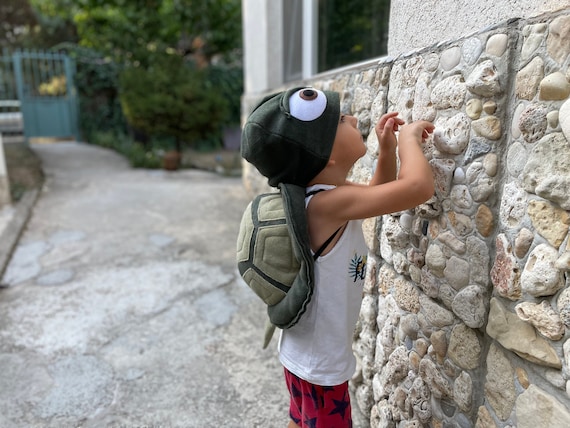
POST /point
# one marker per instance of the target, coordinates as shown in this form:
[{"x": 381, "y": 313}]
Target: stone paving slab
[
  {"x": 122, "y": 305},
  {"x": 13, "y": 219}
]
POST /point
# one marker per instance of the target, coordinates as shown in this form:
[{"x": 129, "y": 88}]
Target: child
[{"x": 299, "y": 138}]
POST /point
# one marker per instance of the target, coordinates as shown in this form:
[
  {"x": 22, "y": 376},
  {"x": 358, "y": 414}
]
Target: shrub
[
  {"x": 137, "y": 154},
  {"x": 229, "y": 82},
  {"x": 97, "y": 81},
  {"x": 172, "y": 99}
]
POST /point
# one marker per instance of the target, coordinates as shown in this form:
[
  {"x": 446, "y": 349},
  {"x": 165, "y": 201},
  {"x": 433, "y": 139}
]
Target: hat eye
[
  {"x": 307, "y": 104},
  {"x": 308, "y": 94}
]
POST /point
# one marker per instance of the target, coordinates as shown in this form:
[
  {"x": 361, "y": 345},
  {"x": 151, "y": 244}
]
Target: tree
[
  {"x": 16, "y": 19},
  {"x": 172, "y": 99},
  {"x": 132, "y": 31},
  {"x": 140, "y": 33},
  {"x": 126, "y": 38}
]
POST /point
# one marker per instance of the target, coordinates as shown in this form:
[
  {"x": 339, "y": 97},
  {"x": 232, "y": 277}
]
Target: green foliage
[
  {"x": 129, "y": 32},
  {"x": 209, "y": 27},
  {"x": 137, "y": 154},
  {"x": 228, "y": 80},
  {"x": 33, "y": 24},
  {"x": 351, "y": 31},
  {"x": 150, "y": 44},
  {"x": 133, "y": 31},
  {"x": 14, "y": 16},
  {"x": 174, "y": 100},
  {"x": 97, "y": 81}
]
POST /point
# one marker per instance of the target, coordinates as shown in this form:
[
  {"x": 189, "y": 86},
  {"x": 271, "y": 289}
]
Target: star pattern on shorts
[
  {"x": 295, "y": 391},
  {"x": 311, "y": 423},
  {"x": 314, "y": 396},
  {"x": 340, "y": 407}
]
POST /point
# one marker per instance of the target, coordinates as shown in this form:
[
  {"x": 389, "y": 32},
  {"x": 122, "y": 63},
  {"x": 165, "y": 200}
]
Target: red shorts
[{"x": 314, "y": 406}]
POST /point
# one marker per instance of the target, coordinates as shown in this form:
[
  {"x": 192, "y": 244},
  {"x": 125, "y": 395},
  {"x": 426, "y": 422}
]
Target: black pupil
[{"x": 308, "y": 94}]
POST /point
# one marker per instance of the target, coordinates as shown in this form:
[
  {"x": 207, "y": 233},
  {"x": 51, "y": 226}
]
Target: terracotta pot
[{"x": 171, "y": 160}]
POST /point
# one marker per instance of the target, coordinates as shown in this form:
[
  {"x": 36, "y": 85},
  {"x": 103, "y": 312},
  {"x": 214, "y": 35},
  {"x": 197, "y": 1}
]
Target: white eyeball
[{"x": 307, "y": 104}]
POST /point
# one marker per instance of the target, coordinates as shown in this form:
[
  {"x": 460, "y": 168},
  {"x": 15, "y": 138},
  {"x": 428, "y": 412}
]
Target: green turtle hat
[{"x": 289, "y": 136}]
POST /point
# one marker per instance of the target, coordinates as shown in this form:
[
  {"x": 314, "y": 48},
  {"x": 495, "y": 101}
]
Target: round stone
[
  {"x": 554, "y": 87},
  {"x": 564, "y": 118},
  {"x": 558, "y": 35},
  {"x": 497, "y": 44},
  {"x": 484, "y": 221},
  {"x": 473, "y": 108},
  {"x": 488, "y": 127},
  {"x": 552, "y": 119},
  {"x": 490, "y": 107},
  {"x": 459, "y": 176},
  {"x": 516, "y": 158},
  {"x": 472, "y": 49},
  {"x": 529, "y": 78},
  {"x": 533, "y": 37},
  {"x": 523, "y": 241},
  {"x": 532, "y": 122},
  {"x": 490, "y": 164},
  {"x": 522, "y": 377},
  {"x": 539, "y": 277},
  {"x": 515, "y": 131},
  {"x": 450, "y": 58}
]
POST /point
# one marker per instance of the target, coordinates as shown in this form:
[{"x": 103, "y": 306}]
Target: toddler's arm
[
  {"x": 384, "y": 194},
  {"x": 386, "y": 167},
  {"x": 414, "y": 167}
]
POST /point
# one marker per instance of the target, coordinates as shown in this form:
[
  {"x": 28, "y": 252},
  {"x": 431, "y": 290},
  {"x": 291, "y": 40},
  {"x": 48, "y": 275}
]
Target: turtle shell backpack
[{"x": 273, "y": 261}]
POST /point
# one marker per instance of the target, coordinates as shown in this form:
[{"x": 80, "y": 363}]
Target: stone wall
[
  {"x": 435, "y": 20},
  {"x": 467, "y": 300}
]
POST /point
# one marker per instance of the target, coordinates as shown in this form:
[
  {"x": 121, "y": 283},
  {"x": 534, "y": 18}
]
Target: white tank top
[{"x": 319, "y": 347}]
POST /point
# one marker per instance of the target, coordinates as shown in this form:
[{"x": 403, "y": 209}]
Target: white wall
[
  {"x": 434, "y": 21},
  {"x": 5, "y": 197},
  {"x": 262, "y": 41}
]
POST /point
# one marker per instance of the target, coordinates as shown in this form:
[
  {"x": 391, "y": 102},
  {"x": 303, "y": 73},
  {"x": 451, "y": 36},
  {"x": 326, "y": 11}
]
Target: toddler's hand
[
  {"x": 385, "y": 130},
  {"x": 419, "y": 130}
]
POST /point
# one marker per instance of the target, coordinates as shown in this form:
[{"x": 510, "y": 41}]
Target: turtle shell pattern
[{"x": 265, "y": 254}]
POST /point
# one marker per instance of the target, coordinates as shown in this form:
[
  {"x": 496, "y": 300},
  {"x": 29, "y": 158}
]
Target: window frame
[{"x": 309, "y": 44}]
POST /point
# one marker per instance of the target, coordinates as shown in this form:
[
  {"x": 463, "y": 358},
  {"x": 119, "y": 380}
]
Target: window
[
  {"x": 350, "y": 32},
  {"x": 324, "y": 34}
]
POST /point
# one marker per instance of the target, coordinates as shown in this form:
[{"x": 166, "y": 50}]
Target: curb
[{"x": 11, "y": 234}]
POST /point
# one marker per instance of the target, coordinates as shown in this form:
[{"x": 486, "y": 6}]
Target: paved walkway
[{"x": 122, "y": 307}]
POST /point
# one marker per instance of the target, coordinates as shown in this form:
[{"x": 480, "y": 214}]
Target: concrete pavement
[{"x": 121, "y": 305}]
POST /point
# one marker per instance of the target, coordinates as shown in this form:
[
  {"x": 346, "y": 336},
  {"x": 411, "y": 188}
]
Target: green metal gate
[{"x": 41, "y": 85}]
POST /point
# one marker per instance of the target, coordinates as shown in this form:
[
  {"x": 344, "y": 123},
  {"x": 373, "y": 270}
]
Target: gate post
[
  {"x": 71, "y": 92},
  {"x": 5, "y": 198},
  {"x": 19, "y": 77}
]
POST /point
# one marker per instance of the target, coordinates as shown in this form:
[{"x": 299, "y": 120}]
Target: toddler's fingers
[
  {"x": 428, "y": 129},
  {"x": 398, "y": 122},
  {"x": 390, "y": 126},
  {"x": 384, "y": 119}
]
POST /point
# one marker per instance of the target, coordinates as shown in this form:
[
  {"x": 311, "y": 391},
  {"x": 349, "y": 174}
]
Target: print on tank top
[{"x": 357, "y": 268}]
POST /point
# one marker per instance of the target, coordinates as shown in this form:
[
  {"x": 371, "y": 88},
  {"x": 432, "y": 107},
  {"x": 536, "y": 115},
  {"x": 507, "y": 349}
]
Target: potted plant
[{"x": 172, "y": 99}]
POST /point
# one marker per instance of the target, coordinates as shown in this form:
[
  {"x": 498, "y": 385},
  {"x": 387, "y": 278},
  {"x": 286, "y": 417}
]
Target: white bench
[{"x": 11, "y": 119}]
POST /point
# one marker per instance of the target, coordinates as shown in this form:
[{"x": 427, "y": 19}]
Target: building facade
[{"x": 466, "y": 314}]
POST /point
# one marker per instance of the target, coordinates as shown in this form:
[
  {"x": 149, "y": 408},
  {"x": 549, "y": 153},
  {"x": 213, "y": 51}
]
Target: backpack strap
[
  {"x": 325, "y": 245},
  {"x": 329, "y": 240},
  {"x": 314, "y": 192}
]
